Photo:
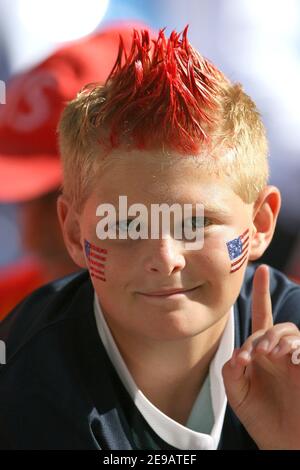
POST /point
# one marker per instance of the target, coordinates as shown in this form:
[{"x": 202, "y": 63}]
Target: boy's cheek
[
  {"x": 213, "y": 258},
  {"x": 230, "y": 251},
  {"x": 96, "y": 258},
  {"x": 213, "y": 267},
  {"x": 109, "y": 267}
]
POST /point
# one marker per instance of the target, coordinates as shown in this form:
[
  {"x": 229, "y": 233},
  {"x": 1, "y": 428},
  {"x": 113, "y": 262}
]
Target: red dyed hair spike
[{"x": 163, "y": 93}]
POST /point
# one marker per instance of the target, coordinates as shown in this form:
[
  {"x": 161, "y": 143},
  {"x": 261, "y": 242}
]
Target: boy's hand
[{"x": 261, "y": 382}]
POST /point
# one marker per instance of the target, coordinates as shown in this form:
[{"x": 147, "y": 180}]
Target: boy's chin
[{"x": 178, "y": 321}]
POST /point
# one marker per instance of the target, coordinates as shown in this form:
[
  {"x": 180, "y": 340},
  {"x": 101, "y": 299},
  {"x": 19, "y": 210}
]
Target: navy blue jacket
[{"x": 59, "y": 389}]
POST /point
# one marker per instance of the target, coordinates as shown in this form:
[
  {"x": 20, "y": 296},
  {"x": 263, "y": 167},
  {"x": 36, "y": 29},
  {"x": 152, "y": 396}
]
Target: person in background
[{"x": 30, "y": 169}]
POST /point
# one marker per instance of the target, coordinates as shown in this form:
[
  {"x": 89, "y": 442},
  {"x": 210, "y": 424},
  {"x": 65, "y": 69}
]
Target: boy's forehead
[
  {"x": 153, "y": 177},
  {"x": 156, "y": 169},
  {"x": 135, "y": 159}
]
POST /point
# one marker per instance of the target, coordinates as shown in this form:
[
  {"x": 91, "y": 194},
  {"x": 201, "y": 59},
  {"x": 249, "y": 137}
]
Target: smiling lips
[{"x": 166, "y": 292}]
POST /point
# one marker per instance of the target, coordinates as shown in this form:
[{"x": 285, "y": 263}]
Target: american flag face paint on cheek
[
  {"x": 96, "y": 258},
  {"x": 238, "y": 251}
]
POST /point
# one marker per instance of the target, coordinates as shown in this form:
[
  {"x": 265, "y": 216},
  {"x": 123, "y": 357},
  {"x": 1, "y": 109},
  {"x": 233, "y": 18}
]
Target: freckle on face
[{"x": 96, "y": 257}]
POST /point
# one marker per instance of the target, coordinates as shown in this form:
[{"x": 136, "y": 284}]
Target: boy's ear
[
  {"x": 265, "y": 213},
  {"x": 70, "y": 226}
]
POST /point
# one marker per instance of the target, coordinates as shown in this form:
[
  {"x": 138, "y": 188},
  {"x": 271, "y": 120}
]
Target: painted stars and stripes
[
  {"x": 238, "y": 250},
  {"x": 96, "y": 260}
]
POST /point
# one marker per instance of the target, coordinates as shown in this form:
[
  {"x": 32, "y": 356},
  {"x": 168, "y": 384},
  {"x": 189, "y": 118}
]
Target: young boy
[{"x": 152, "y": 346}]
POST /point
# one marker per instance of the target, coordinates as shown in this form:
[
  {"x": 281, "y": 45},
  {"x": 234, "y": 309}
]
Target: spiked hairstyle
[{"x": 163, "y": 95}]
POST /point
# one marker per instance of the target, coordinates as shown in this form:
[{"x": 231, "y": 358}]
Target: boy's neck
[{"x": 171, "y": 374}]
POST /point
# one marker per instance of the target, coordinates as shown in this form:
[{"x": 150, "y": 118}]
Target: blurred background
[{"x": 254, "y": 42}]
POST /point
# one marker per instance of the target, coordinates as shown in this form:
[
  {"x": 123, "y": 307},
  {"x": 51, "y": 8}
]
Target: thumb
[{"x": 235, "y": 381}]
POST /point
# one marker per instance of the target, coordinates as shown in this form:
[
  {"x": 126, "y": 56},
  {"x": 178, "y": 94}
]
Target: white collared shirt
[{"x": 172, "y": 432}]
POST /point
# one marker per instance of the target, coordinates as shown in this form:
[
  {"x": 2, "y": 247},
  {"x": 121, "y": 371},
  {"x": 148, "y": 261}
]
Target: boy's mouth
[{"x": 166, "y": 292}]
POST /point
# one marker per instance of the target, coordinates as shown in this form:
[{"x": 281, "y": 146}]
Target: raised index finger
[{"x": 262, "y": 318}]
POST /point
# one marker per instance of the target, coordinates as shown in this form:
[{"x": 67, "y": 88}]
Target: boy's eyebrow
[
  {"x": 216, "y": 209},
  {"x": 212, "y": 209}
]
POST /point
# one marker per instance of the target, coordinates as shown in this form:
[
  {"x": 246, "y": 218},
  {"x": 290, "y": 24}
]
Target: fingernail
[
  {"x": 244, "y": 355},
  {"x": 295, "y": 344},
  {"x": 263, "y": 345}
]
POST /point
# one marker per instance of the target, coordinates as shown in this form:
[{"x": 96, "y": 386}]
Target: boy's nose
[{"x": 164, "y": 256}]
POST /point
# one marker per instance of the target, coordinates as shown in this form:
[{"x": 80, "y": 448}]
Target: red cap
[{"x": 29, "y": 155}]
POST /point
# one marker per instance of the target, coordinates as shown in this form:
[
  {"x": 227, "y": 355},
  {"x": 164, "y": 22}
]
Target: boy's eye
[
  {"x": 123, "y": 225},
  {"x": 196, "y": 222},
  {"x": 192, "y": 223}
]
